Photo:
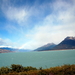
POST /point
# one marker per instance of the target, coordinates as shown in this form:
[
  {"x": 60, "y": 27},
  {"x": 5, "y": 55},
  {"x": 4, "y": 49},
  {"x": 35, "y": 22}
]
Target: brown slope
[{"x": 4, "y": 51}]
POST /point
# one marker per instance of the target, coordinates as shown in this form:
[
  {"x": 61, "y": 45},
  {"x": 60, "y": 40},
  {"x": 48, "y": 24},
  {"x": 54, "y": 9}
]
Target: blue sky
[{"x": 30, "y": 24}]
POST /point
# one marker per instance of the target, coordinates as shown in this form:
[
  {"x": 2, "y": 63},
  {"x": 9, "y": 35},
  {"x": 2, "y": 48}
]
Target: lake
[{"x": 45, "y": 59}]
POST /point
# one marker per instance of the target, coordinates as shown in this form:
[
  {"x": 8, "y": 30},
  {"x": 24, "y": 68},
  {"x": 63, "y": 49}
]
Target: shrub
[
  {"x": 29, "y": 68},
  {"x": 20, "y": 70},
  {"x": 4, "y": 70},
  {"x": 17, "y": 68}
]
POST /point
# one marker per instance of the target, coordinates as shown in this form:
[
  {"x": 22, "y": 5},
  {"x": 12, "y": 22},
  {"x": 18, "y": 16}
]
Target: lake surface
[{"x": 45, "y": 59}]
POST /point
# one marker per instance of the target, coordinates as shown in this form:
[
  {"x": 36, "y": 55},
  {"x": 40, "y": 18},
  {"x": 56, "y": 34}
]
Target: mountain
[
  {"x": 4, "y": 51},
  {"x": 48, "y": 46},
  {"x": 15, "y": 49},
  {"x": 67, "y": 43},
  {"x": 7, "y": 48},
  {"x": 23, "y": 50}
]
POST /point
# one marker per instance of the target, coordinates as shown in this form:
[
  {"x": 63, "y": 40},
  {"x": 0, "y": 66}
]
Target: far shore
[
  {"x": 39, "y": 51},
  {"x": 56, "y": 50}
]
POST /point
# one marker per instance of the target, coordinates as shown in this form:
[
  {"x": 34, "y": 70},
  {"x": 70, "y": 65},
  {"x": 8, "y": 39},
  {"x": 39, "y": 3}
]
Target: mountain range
[
  {"x": 67, "y": 43},
  {"x": 7, "y": 49}
]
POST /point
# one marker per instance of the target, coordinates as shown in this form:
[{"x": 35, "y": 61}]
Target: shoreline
[
  {"x": 56, "y": 50},
  {"x": 39, "y": 51}
]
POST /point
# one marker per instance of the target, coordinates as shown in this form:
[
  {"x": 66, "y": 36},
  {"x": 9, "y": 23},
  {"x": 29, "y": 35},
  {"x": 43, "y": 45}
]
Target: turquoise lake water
[{"x": 45, "y": 59}]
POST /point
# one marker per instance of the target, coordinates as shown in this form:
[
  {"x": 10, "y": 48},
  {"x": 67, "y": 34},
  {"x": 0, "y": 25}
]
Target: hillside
[
  {"x": 45, "y": 47},
  {"x": 7, "y": 48},
  {"x": 67, "y": 43},
  {"x": 14, "y": 49},
  {"x": 4, "y": 51}
]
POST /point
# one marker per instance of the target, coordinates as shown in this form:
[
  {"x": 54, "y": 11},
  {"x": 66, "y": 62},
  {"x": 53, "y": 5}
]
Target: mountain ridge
[
  {"x": 45, "y": 47},
  {"x": 3, "y": 49},
  {"x": 67, "y": 43}
]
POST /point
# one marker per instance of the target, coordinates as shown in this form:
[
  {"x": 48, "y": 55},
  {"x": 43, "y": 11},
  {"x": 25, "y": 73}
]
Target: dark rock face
[{"x": 67, "y": 43}]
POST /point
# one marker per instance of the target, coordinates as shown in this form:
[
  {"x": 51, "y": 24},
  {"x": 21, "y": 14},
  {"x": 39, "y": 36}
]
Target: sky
[{"x": 29, "y": 24}]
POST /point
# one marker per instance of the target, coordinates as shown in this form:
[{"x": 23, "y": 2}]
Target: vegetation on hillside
[{"x": 20, "y": 70}]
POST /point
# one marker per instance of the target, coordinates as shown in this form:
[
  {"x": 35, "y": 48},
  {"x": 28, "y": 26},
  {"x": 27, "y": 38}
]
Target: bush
[
  {"x": 17, "y": 68},
  {"x": 20, "y": 70},
  {"x": 4, "y": 70},
  {"x": 29, "y": 68}
]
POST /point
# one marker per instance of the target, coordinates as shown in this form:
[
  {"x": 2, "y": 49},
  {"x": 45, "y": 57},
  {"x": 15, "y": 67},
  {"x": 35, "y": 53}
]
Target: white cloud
[
  {"x": 2, "y": 41},
  {"x": 41, "y": 37},
  {"x": 17, "y": 14},
  {"x": 5, "y": 42},
  {"x": 5, "y": 46},
  {"x": 14, "y": 13},
  {"x": 54, "y": 27},
  {"x": 8, "y": 43}
]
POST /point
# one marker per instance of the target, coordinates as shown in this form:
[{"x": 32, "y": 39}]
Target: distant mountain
[
  {"x": 7, "y": 48},
  {"x": 48, "y": 46},
  {"x": 15, "y": 49},
  {"x": 23, "y": 50},
  {"x": 67, "y": 43},
  {"x": 4, "y": 51}
]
